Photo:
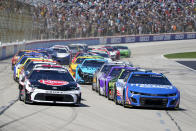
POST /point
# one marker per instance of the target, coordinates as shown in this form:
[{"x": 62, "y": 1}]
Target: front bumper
[
  {"x": 51, "y": 96},
  {"x": 153, "y": 101}
]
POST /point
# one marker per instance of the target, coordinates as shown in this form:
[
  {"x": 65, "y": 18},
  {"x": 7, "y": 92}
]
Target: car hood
[
  {"x": 152, "y": 89},
  {"x": 90, "y": 70}
]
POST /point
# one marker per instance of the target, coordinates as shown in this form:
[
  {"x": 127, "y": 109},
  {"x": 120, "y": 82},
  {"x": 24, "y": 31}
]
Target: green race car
[{"x": 125, "y": 52}]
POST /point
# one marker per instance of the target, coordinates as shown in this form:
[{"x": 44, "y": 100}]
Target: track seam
[
  {"x": 174, "y": 121},
  {"x": 18, "y": 119},
  {"x": 4, "y": 108}
]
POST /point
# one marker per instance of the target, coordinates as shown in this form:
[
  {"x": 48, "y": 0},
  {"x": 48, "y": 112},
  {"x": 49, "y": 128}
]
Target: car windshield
[
  {"x": 21, "y": 53},
  {"x": 93, "y": 63},
  {"x": 122, "y": 47},
  {"x": 60, "y": 50},
  {"x": 23, "y": 60},
  {"x": 149, "y": 79},
  {"x": 105, "y": 55},
  {"x": 80, "y": 60},
  {"x": 29, "y": 67},
  {"x": 107, "y": 68},
  {"x": 27, "y": 63},
  {"x": 109, "y": 49},
  {"x": 50, "y": 75},
  {"x": 125, "y": 73},
  {"x": 115, "y": 72}
]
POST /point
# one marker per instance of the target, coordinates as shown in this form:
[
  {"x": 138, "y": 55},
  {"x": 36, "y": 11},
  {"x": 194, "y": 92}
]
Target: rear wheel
[
  {"x": 108, "y": 94},
  {"x": 99, "y": 89},
  {"x": 115, "y": 97}
]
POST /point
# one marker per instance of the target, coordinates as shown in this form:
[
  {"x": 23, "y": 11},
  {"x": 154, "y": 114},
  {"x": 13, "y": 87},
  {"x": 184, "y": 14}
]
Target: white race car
[{"x": 50, "y": 85}]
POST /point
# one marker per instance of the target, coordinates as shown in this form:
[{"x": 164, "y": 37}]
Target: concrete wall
[{"x": 10, "y": 50}]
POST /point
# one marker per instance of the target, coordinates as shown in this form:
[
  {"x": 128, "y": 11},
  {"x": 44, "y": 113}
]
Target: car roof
[{"x": 148, "y": 73}]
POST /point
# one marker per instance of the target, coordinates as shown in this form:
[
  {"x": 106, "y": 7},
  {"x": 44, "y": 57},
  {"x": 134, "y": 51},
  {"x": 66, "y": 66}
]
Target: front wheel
[
  {"x": 93, "y": 87},
  {"x": 20, "y": 88},
  {"x": 124, "y": 102}
]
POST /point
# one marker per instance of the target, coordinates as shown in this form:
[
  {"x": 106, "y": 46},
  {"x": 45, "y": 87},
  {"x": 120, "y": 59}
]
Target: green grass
[{"x": 181, "y": 55}]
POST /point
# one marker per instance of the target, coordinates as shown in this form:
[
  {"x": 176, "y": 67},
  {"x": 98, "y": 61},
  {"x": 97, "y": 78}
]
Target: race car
[
  {"x": 27, "y": 68},
  {"x": 103, "y": 54},
  {"x": 124, "y": 51},
  {"x": 62, "y": 55},
  {"x": 113, "y": 52},
  {"x": 85, "y": 71},
  {"x": 104, "y": 79},
  {"x": 79, "y": 60},
  {"x": 147, "y": 89},
  {"x": 77, "y": 48},
  {"x": 50, "y": 85},
  {"x": 103, "y": 70},
  {"x": 111, "y": 55},
  {"x": 18, "y": 55},
  {"x": 22, "y": 61},
  {"x": 112, "y": 83}
]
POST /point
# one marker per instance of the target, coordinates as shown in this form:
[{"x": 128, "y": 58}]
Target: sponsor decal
[
  {"x": 152, "y": 86},
  {"x": 55, "y": 92},
  {"x": 53, "y": 82},
  {"x": 144, "y": 38},
  {"x": 167, "y": 37},
  {"x": 158, "y": 38},
  {"x": 179, "y": 37},
  {"x": 103, "y": 40},
  {"x": 190, "y": 36},
  {"x": 129, "y": 39},
  {"x": 115, "y": 40}
]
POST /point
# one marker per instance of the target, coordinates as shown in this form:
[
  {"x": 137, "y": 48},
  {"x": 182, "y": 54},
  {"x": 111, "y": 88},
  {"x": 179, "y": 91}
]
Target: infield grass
[{"x": 181, "y": 55}]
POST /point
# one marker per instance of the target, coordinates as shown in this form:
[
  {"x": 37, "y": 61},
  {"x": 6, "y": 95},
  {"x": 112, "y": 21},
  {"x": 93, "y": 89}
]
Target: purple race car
[{"x": 104, "y": 79}]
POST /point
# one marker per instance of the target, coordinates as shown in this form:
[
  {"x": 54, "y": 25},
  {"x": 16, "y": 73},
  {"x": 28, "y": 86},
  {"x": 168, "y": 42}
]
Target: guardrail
[{"x": 10, "y": 50}]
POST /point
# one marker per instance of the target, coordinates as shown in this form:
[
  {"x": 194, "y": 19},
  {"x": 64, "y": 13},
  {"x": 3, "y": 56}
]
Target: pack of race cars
[{"x": 54, "y": 75}]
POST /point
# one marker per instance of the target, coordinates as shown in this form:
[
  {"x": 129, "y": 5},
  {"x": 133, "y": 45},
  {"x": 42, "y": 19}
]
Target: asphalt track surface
[
  {"x": 190, "y": 64},
  {"x": 97, "y": 113}
]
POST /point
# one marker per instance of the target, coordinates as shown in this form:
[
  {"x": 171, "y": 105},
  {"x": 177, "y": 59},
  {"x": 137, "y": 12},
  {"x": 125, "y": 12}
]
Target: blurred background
[{"x": 63, "y": 19}]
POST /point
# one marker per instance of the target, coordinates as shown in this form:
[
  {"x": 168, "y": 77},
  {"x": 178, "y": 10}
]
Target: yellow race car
[{"x": 26, "y": 61}]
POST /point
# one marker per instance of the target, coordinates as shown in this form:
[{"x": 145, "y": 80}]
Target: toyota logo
[{"x": 54, "y": 88}]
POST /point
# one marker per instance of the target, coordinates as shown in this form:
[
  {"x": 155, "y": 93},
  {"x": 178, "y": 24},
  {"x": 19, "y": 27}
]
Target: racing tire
[
  {"x": 93, "y": 87},
  {"x": 25, "y": 97},
  {"x": 26, "y": 101},
  {"x": 20, "y": 91},
  {"x": 78, "y": 101},
  {"x": 115, "y": 98},
  {"x": 108, "y": 95},
  {"x": 105, "y": 93},
  {"x": 99, "y": 89},
  {"x": 123, "y": 102}
]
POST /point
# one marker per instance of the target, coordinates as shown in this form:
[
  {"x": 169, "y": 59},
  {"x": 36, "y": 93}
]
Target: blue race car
[
  {"x": 85, "y": 71},
  {"x": 147, "y": 89}
]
